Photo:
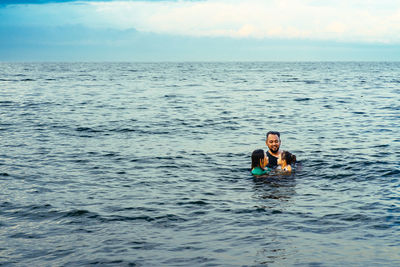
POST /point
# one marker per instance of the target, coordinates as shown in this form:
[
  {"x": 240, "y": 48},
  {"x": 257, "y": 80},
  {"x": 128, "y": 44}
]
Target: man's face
[{"x": 273, "y": 143}]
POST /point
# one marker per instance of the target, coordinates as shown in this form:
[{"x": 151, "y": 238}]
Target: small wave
[
  {"x": 161, "y": 219},
  {"x": 76, "y": 216},
  {"x": 240, "y": 81},
  {"x": 293, "y": 80},
  {"x": 142, "y": 245},
  {"x": 111, "y": 154},
  {"x": 75, "y": 213},
  {"x": 6, "y": 204},
  {"x": 126, "y": 209},
  {"x": 87, "y": 129},
  {"x": 311, "y": 81},
  {"x": 169, "y": 166},
  {"x": 170, "y": 96},
  {"x": 356, "y": 217},
  {"x": 256, "y": 209},
  {"x": 140, "y": 160},
  {"x": 32, "y": 212},
  {"x": 172, "y": 86},
  {"x": 128, "y": 130},
  {"x": 6, "y": 103},
  {"x": 391, "y": 173},
  {"x": 302, "y": 99},
  {"x": 35, "y": 104},
  {"x": 197, "y": 203},
  {"x": 131, "y": 218},
  {"x": 81, "y": 160},
  {"x": 124, "y": 130},
  {"x": 380, "y": 146},
  {"x": 26, "y": 235}
]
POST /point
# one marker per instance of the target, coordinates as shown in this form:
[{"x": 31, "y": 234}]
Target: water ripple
[{"x": 148, "y": 164}]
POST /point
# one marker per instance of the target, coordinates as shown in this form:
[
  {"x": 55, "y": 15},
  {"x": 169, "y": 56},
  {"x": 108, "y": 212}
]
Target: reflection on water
[
  {"x": 274, "y": 192},
  {"x": 275, "y": 186}
]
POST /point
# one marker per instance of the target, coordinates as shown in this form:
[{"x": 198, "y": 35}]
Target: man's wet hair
[{"x": 274, "y": 133}]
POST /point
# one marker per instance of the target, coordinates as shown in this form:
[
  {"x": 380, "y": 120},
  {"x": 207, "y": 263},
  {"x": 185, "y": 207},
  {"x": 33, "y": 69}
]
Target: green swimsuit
[{"x": 258, "y": 171}]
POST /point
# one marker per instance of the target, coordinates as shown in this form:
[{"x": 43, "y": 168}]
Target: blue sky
[{"x": 206, "y": 30}]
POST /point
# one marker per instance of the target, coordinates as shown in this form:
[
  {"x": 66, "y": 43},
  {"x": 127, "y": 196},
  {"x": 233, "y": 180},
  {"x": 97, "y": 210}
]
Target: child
[
  {"x": 285, "y": 160},
  {"x": 258, "y": 162}
]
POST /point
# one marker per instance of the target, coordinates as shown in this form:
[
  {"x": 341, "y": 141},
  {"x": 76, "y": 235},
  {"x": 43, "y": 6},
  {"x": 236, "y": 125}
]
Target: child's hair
[
  {"x": 256, "y": 156},
  {"x": 289, "y": 157}
]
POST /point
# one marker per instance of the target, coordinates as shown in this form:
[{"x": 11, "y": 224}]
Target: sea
[{"x": 148, "y": 164}]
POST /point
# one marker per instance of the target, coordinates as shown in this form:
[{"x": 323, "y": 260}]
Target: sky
[{"x": 202, "y": 30}]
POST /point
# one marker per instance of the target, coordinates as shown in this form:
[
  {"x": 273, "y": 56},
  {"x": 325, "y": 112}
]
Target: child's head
[
  {"x": 288, "y": 157},
  {"x": 259, "y": 159}
]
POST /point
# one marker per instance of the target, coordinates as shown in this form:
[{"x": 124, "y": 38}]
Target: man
[{"x": 273, "y": 142}]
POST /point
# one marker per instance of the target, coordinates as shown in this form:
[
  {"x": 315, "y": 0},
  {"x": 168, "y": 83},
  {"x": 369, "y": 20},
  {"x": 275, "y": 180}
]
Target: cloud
[
  {"x": 339, "y": 20},
  {"x": 365, "y": 21},
  {"x": 18, "y": 2}
]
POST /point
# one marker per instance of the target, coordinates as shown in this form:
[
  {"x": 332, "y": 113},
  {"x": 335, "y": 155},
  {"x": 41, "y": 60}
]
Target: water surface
[{"x": 147, "y": 164}]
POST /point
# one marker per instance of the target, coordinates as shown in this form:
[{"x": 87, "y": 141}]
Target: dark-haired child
[
  {"x": 286, "y": 159},
  {"x": 258, "y": 162}
]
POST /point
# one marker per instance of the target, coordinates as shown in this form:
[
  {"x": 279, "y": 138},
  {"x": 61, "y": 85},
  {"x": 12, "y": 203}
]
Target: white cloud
[
  {"x": 365, "y": 21},
  {"x": 341, "y": 20}
]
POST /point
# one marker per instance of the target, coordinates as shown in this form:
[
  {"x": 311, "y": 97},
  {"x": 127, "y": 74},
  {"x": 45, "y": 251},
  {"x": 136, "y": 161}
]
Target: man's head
[{"x": 273, "y": 141}]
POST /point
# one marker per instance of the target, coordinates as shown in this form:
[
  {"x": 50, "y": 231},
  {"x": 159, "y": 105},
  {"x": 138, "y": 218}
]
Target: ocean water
[{"x": 147, "y": 164}]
